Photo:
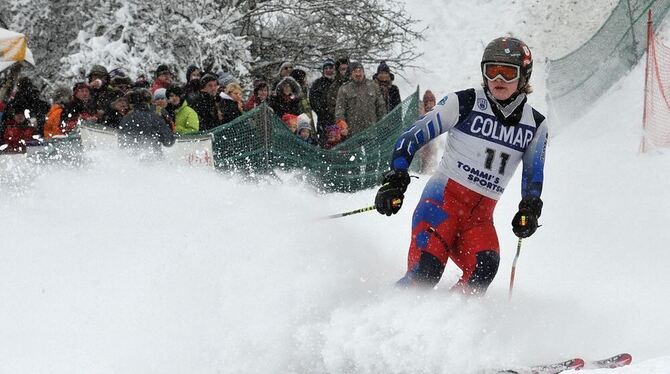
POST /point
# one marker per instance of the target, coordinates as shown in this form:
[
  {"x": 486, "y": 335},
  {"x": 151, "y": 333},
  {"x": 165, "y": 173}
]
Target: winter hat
[
  {"x": 98, "y": 70},
  {"x": 206, "y": 79},
  {"x": 118, "y": 76},
  {"x": 342, "y": 125},
  {"x": 328, "y": 62},
  {"x": 224, "y": 78},
  {"x": 141, "y": 82},
  {"x": 383, "y": 67},
  {"x": 162, "y": 69},
  {"x": 189, "y": 71},
  {"x": 160, "y": 94},
  {"x": 355, "y": 65},
  {"x": 288, "y": 117},
  {"x": 304, "y": 123},
  {"x": 61, "y": 94}
]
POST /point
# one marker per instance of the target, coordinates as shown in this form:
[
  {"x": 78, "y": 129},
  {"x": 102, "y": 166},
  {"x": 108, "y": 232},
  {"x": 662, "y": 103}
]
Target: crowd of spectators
[{"x": 338, "y": 104}]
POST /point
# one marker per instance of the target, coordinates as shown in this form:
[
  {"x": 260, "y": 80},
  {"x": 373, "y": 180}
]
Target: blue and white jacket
[{"x": 481, "y": 152}]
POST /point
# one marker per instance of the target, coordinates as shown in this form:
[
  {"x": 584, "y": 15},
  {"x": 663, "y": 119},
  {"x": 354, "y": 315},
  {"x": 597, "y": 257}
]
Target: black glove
[
  {"x": 524, "y": 222},
  {"x": 390, "y": 194}
]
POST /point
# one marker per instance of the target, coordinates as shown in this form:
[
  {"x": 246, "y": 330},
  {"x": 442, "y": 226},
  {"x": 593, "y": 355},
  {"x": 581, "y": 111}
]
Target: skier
[{"x": 491, "y": 130}]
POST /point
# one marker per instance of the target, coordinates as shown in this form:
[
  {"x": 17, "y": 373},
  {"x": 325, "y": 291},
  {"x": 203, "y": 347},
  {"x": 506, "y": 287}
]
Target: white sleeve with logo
[{"x": 443, "y": 117}]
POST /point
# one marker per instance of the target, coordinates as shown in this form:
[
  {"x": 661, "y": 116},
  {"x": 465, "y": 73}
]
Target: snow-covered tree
[
  {"x": 138, "y": 36},
  {"x": 306, "y": 31},
  {"x": 245, "y": 37}
]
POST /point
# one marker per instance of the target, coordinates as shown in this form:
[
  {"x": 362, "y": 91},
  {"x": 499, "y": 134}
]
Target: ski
[
  {"x": 612, "y": 362},
  {"x": 615, "y": 361},
  {"x": 573, "y": 364}
]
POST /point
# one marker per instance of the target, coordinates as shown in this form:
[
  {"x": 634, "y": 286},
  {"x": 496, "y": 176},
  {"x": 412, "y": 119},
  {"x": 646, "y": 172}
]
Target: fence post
[
  {"x": 650, "y": 35},
  {"x": 632, "y": 33},
  {"x": 266, "y": 134}
]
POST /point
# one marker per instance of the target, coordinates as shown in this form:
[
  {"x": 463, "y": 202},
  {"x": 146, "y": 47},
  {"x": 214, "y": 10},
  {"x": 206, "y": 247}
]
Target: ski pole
[
  {"x": 361, "y": 210},
  {"x": 511, "y": 277},
  {"x": 338, "y": 215}
]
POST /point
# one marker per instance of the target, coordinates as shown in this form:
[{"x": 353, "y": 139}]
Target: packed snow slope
[{"x": 128, "y": 267}]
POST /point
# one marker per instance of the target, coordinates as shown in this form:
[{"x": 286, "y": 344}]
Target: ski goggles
[{"x": 507, "y": 72}]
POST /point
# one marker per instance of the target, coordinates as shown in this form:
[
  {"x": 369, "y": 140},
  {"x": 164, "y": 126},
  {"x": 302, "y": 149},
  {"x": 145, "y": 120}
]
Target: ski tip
[
  {"x": 578, "y": 363},
  {"x": 622, "y": 359},
  {"x": 625, "y": 359}
]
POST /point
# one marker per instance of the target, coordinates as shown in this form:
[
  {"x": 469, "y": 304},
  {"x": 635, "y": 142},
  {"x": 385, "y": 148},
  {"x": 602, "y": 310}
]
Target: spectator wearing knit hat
[
  {"x": 318, "y": 97},
  {"x": 80, "y": 108},
  {"x": 142, "y": 131},
  {"x": 101, "y": 93},
  {"x": 162, "y": 78},
  {"x": 159, "y": 105},
  {"x": 304, "y": 130},
  {"x": 359, "y": 102},
  {"x": 119, "y": 80},
  {"x": 205, "y": 102},
  {"x": 390, "y": 91},
  {"x": 291, "y": 121}
]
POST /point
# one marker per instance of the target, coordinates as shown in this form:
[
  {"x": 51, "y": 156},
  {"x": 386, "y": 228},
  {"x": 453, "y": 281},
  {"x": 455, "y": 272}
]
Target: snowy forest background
[{"x": 245, "y": 37}]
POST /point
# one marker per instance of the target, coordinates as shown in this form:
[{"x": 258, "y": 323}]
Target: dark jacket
[
  {"x": 29, "y": 98},
  {"x": 207, "y": 108},
  {"x": 392, "y": 97},
  {"x": 102, "y": 98},
  {"x": 143, "y": 129},
  {"x": 229, "y": 109},
  {"x": 282, "y": 104},
  {"x": 331, "y": 96},
  {"x": 76, "y": 110},
  {"x": 318, "y": 98}
]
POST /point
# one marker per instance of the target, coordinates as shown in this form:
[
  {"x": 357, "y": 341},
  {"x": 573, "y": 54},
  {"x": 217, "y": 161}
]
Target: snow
[{"x": 126, "y": 267}]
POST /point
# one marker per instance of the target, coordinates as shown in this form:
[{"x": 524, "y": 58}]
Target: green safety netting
[
  {"x": 259, "y": 143},
  {"x": 575, "y": 81}
]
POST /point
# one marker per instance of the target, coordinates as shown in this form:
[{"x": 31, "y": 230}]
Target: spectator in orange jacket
[{"x": 54, "y": 125}]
